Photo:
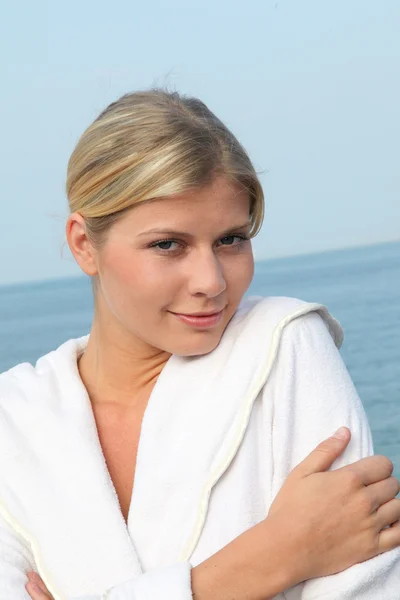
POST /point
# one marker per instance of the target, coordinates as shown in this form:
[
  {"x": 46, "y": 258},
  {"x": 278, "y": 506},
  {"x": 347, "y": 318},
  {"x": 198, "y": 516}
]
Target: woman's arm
[
  {"x": 313, "y": 395},
  {"x": 260, "y": 563}
]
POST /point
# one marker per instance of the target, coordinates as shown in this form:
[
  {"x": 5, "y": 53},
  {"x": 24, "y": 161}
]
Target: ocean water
[{"x": 361, "y": 288}]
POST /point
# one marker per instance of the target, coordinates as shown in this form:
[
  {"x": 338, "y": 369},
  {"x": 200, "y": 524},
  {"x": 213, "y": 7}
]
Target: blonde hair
[{"x": 148, "y": 145}]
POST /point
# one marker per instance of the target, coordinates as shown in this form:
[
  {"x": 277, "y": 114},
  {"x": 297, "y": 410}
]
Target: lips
[
  {"x": 210, "y": 314},
  {"x": 203, "y": 321}
]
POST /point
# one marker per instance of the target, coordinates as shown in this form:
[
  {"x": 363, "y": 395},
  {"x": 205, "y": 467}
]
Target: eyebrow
[{"x": 185, "y": 234}]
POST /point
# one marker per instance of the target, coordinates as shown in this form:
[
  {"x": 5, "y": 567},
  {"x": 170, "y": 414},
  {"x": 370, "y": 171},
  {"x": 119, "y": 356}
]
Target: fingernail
[
  {"x": 341, "y": 433},
  {"x": 35, "y": 587}
]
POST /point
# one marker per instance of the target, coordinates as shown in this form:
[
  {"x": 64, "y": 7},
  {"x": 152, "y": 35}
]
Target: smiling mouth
[
  {"x": 202, "y": 321},
  {"x": 206, "y": 314}
]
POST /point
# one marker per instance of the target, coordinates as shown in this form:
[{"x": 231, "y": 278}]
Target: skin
[
  {"x": 207, "y": 268},
  {"x": 36, "y": 588}
]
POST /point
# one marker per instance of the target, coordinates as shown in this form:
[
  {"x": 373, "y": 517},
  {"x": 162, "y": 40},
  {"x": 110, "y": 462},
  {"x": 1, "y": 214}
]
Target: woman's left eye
[{"x": 232, "y": 237}]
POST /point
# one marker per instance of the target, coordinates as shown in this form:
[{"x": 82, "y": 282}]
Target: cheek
[
  {"x": 240, "y": 271},
  {"x": 124, "y": 267},
  {"x": 134, "y": 278}
]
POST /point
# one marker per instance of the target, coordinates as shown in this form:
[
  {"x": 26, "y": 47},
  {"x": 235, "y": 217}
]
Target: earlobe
[{"x": 80, "y": 245}]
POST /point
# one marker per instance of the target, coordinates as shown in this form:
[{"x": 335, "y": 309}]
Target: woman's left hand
[{"x": 40, "y": 592}]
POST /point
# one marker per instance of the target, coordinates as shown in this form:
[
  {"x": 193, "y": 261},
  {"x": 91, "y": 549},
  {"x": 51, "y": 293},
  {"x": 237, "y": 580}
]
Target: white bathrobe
[{"x": 220, "y": 434}]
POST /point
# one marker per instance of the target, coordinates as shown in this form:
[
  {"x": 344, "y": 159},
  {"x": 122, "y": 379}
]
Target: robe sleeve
[
  {"x": 313, "y": 396},
  {"x": 16, "y": 559},
  {"x": 167, "y": 583}
]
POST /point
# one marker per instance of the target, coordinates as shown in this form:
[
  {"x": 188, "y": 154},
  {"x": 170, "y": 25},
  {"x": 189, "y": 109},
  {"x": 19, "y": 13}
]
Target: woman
[{"x": 223, "y": 496}]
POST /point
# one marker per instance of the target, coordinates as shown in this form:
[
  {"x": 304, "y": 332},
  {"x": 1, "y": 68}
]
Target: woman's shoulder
[
  {"x": 276, "y": 313},
  {"x": 27, "y": 381}
]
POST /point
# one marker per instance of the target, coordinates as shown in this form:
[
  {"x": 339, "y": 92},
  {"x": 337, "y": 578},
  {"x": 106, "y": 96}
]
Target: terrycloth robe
[{"x": 220, "y": 434}]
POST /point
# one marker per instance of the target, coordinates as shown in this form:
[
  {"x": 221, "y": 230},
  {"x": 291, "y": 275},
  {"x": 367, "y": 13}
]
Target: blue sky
[{"x": 311, "y": 88}]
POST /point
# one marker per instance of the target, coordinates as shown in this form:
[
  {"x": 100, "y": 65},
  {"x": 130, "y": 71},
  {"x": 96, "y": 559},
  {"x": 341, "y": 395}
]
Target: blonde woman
[{"x": 183, "y": 449}]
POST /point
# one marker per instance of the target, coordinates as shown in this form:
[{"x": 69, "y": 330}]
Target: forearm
[{"x": 254, "y": 566}]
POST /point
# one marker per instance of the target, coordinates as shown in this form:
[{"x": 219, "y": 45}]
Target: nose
[{"x": 206, "y": 275}]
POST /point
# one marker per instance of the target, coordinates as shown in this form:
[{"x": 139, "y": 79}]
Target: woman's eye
[
  {"x": 230, "y": 238},
  {"x": 165, "y": 245}
]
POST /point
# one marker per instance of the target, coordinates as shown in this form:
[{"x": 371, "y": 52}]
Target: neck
[{"x": 119, "y": 373}]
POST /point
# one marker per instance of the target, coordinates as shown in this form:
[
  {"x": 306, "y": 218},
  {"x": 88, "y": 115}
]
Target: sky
[{"x": 310, "y": 88}]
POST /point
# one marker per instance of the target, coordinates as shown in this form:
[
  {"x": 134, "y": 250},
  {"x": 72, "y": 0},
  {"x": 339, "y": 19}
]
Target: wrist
[
  {"x": 270, "y": 554},
  {"x": 256, "y": 565}
]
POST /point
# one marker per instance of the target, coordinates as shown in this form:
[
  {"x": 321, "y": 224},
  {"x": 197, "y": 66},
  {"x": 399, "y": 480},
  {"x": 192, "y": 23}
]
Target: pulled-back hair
[{"x": 148, "y": 145}]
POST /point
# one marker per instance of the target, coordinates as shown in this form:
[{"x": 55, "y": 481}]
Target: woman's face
[{"x": 195, "y": 262}]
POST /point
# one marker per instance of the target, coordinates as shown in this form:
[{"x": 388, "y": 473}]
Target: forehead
[{"x": 218, "y": 205}]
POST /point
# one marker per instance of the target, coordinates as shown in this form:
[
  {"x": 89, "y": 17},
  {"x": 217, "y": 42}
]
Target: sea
[{"x": 360, "y": 287}]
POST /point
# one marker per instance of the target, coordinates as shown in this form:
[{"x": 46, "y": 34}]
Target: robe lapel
[
  {"x": 193, "y": 427},
  {"x": 191, "y": 431},
  {"x": 55, "y": 488}
]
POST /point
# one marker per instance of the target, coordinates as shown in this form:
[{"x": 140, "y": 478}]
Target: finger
[
  {"x": 324, "y": 455},
  {"x": 383, "y": 491},
  {"x": 389, "y": 538},
  {"x": 36, "y": 579},
  {"x": 371, "y": 469},
  {"x": 35, "y": 592},
  {"x": 388, "y": 513}
]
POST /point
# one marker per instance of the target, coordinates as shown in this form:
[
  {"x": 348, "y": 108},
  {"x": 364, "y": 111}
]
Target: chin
[{"x": 197, "y": 348}]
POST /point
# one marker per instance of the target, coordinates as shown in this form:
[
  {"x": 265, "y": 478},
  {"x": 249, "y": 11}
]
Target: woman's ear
[{"x": 80, "y": 245}]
